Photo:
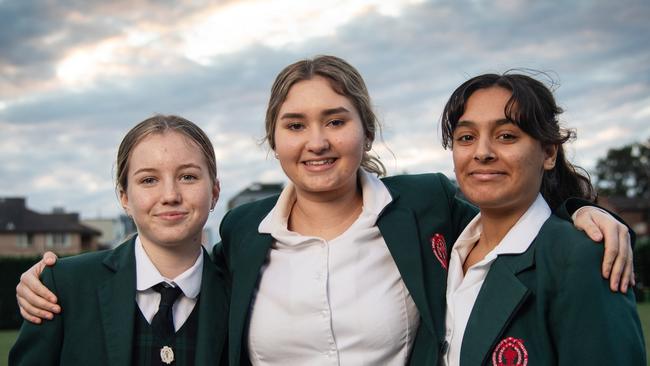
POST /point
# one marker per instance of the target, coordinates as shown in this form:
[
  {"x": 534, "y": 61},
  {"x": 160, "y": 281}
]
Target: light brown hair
[{"x": 159, "y": 124}]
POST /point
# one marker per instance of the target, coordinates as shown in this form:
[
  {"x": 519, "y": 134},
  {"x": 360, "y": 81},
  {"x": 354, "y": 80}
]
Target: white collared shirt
[
  {"x": 336, "y": 302},
  {"x": 147, "y": 276},
  {"x": 462, "y": 291}
]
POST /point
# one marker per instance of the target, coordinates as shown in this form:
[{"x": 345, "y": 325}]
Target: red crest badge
[
  {"x": 510, "y": 352},
  {"x": 439, "y": 248}
]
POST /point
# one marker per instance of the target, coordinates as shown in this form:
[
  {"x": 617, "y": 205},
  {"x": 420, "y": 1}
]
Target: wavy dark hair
[{"x": 532, "y": 107}]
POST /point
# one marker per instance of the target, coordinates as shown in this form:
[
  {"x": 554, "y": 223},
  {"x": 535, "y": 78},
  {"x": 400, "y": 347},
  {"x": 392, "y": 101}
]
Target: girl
[
  {"x": 115, "y": 315},
  {"x": 523, "y": 284},
  {"x": 342, "y": 268}
]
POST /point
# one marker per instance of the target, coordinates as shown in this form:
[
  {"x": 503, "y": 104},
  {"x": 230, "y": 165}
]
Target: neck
[
  {"x": 171, "y": 261},
  {"x": 325, "y": 216},
  {"x": 496, "y": 223}
]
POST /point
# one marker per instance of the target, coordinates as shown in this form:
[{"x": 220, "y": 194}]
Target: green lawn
[
  {"x": 7, "y": 337},
  {"x": 644, "y": 314}
]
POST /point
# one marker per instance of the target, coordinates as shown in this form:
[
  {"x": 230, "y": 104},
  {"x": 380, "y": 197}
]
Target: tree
[{"x": 625, "y": 171}]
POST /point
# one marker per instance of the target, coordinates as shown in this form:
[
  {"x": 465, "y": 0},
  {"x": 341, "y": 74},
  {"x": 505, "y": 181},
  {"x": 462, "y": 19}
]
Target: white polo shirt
[
  {"x": 336, "y": 302},
  {"x": 462, "y": 291}
]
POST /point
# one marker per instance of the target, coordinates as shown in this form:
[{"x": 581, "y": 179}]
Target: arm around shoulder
[{"x": 39, "y": 344}]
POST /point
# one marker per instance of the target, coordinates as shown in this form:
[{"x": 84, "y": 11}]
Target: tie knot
[{"x": 168, "y": 294}]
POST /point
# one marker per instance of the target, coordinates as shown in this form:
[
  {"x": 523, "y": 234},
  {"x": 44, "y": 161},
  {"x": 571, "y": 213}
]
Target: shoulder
[
  {"x": 416, "y": 184},
  {"x": 88, "y": 264},
  {"x": 567, "y": 250},
  {"x": 249, "y": 214}
]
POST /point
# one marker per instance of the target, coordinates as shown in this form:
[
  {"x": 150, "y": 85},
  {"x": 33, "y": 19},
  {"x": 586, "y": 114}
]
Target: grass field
[{"x": 7, "y": 337}]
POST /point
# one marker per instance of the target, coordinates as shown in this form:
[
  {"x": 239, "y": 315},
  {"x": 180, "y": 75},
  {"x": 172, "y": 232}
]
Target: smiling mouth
[
  {"x": 485, "y": 176},
  {"x": 319, "y": 162},
  {"x": 172, "y": 216}
]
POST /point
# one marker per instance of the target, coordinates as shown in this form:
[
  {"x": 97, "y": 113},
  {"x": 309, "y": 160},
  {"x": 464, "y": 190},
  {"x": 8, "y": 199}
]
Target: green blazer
[
  {"x": 551, "y": 304},
  {"x": 422, "y": 206},
  {"x": 97, "y": 294}
]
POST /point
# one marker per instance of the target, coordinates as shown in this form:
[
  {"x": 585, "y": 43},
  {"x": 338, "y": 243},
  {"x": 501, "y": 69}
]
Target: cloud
[{"x": 76, "y": 75}]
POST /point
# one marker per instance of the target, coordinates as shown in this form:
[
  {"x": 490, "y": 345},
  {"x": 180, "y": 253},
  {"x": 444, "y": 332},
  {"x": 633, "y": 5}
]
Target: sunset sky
[{"x": 76, "y": 75}]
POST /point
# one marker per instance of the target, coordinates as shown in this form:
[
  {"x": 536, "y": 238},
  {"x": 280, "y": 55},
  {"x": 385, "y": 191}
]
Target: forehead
[
  {"x": 316, "y": 92},
  {"x": 487, "y": 102},
  {"x": 166, "y": 148}
]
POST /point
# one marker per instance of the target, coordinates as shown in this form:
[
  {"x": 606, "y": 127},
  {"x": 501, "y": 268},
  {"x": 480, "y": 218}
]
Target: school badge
[
  {"x": 439, "y": 248},
  {"x": 167, "y": 355},
  {"x": 510, "y": 352}
]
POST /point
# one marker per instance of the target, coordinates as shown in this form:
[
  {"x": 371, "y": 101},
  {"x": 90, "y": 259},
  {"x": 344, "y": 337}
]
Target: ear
[
  {"x": 216, "y": 188},
  {"x": 550, "y": 155},
  {"x": 124, "y": 201}
]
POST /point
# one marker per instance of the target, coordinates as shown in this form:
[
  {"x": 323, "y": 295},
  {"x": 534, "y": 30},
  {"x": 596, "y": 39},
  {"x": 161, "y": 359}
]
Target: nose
[
  {"x": 484, "y": 152},
  {"x": 318, "y": 141},
  {"x": 171, "y": 193}
]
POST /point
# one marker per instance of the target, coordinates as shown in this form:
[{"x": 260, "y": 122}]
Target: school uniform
[
  {"x": 423, "y": 215},
  {"x": 102, "y": 324},
  {"x": 538, "y": 298}
]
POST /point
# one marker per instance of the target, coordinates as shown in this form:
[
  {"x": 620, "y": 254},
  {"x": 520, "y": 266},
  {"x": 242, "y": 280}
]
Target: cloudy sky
[{"x": 76, "y": 75}]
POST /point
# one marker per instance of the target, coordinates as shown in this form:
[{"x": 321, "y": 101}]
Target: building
[
  {"x": 113, "y": 230},
  {"x": 24, "y": 232},
  {"x": 635, "y": 211},
  {"x": 254, "y": 192}
]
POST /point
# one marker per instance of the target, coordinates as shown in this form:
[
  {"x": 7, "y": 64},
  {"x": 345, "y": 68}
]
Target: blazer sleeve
[
  {"x": 39, "y": 344},
  {"x": 462, "y": 212},
  {"x": 590, "y": 324}
]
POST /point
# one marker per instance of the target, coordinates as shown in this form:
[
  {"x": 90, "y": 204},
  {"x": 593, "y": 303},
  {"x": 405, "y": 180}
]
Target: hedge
[{"x": 10, "y": 270}]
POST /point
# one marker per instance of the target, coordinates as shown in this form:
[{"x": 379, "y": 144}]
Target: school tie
[{"x": 163, "y": 322}]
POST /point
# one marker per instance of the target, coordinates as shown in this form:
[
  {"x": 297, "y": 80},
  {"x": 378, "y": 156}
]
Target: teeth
[{"x": 319, "y": 162}]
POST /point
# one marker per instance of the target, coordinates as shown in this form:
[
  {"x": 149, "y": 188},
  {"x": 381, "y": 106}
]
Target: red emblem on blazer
[
  {"x": 439, "y": 248},
  {"x": 510, "y": 352}
]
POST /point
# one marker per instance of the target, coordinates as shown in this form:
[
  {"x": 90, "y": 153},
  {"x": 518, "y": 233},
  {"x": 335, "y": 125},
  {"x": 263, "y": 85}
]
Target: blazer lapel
[
  {"x": 245, "y": 275},
  {"x": 117, "y": 304},
  {"x": 404, "y": 246},
  {"x": 501, "y": 295},
  {"x": 213, "y": 315}
]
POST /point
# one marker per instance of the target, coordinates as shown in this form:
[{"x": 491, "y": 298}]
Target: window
[
  {"x": 59, "y": 240},
  {"x": 25, "y": 240}
]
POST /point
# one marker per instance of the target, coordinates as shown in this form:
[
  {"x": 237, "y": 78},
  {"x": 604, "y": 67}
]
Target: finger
[
  {"x": 29, "y": 318},
  {"x": 593, "y": 232},
  {"x": 32, "y": 286},
  {"x": 611, "y": 254},
  {"x": 31, "y": 313},
  {"x": 49, "y": 258},
  {"x": 615, "y": 278},
  {"x": 628, "y": 275}
]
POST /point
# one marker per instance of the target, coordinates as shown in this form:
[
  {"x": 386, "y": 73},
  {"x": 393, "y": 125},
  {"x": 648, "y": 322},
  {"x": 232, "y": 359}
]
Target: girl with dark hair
[{"x": 523, "y": 285}]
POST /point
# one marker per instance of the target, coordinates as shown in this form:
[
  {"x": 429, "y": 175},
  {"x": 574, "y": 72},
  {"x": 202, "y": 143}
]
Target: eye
[
  {"x": 506, "y": 137},
  {"x": 464, "y": 138},
  {"x": 336, "y": 123},
  {"x": 295, "y": 126},
  {"x": 148, "y": 180},
  {"x": 188, "y": 177}
]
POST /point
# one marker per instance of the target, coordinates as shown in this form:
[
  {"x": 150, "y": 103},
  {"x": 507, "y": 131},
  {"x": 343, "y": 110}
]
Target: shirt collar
[
  {"x": 147, "y": 275},
  {"x": 518, "y": 238},
  {"x": 375, "y": 198}
]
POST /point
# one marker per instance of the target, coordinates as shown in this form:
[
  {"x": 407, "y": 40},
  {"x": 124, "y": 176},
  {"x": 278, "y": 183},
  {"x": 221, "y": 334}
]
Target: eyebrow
[
  {"x": 469, "y": 123},
  {"x": 324, "y": 113},
  {"x": 181, "y": 167}
]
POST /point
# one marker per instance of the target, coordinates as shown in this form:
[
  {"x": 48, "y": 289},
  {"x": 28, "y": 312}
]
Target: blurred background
[{"x": 75, "y": 76}]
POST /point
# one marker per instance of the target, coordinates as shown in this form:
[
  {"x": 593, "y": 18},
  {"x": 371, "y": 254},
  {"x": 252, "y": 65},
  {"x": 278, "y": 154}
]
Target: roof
[
  {"x": 622, "y": 203},
  {"x": 15, "y": 217}
]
